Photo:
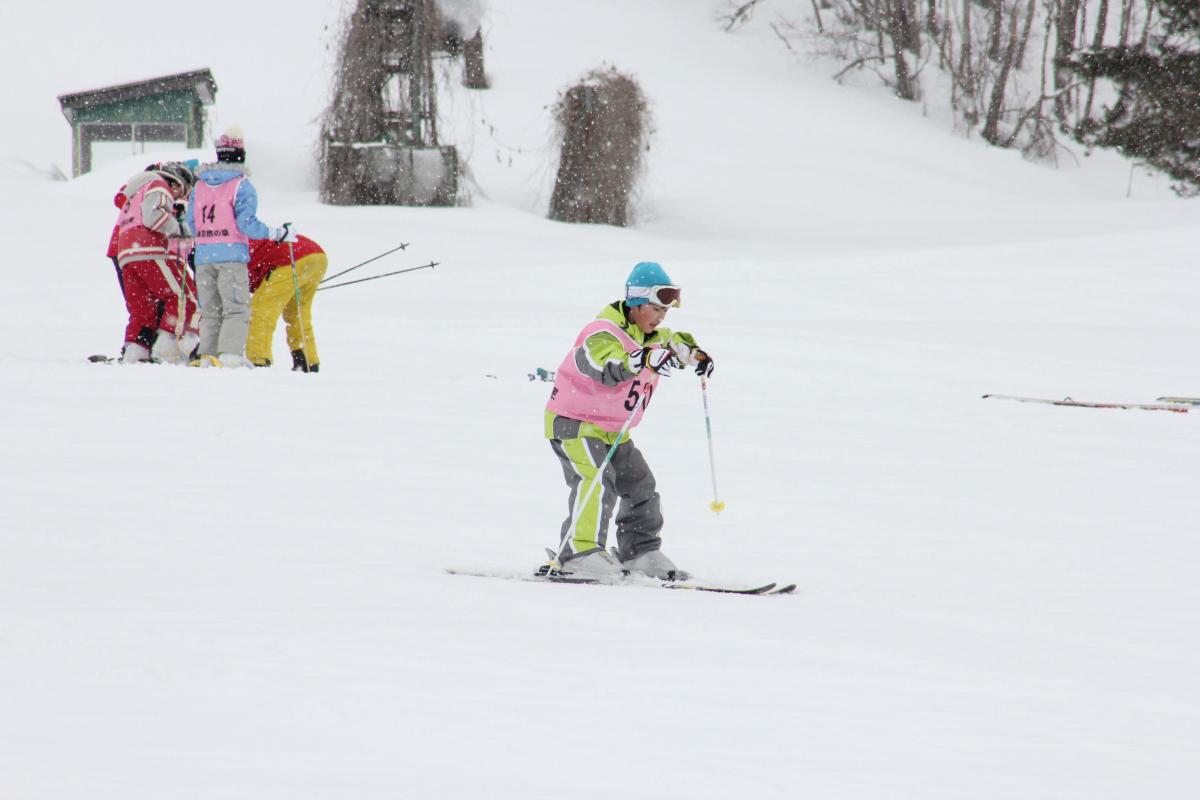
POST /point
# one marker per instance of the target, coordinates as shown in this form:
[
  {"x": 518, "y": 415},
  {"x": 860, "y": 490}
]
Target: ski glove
[
  {"x": 659, "y": 359},
  {"x": 690, "y": 355},
  {"x": 284, "y": 234}
]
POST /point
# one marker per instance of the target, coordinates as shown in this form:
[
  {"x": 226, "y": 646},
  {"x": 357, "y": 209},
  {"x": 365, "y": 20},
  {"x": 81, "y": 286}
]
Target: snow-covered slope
[{"x": 231, "y": 584}]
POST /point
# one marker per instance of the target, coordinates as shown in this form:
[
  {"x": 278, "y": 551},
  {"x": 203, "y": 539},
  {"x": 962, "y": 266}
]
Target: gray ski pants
[
  {"x": 224, "y": 293},
  {"x": 627, "y": 479}
]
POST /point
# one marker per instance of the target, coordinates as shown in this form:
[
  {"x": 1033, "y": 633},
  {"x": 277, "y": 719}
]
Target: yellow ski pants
[{"x": 277, "y": 296}]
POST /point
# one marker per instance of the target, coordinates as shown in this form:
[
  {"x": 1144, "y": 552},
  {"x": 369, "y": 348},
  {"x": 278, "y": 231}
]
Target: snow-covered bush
[{"x": 603, "y": 125}]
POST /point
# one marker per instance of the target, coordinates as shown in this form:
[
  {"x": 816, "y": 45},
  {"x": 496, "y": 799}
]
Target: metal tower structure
[{"x": 407, "y": 31}]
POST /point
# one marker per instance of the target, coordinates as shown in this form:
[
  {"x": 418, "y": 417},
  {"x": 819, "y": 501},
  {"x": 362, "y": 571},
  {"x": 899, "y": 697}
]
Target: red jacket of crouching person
[
  {"x": 119, "y": 201},
  {"x": 266, "y": 255}
]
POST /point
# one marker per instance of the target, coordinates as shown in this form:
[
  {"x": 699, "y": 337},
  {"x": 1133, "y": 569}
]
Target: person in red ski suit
[
  {"x": 119, "y": 201},
  {"x": 160, "y": 293}
]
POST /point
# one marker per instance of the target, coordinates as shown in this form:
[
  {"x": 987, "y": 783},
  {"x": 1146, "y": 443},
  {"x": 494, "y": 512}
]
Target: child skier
[
  {"x": 159, "y": 292},
  {"x": 601, "y": 390},
  {"x": 274, "y": 293},
  {"x": 223, "y": 213}
]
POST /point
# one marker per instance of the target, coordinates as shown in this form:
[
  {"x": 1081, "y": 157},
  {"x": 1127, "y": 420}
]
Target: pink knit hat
[{"x": 231, "y": 145}]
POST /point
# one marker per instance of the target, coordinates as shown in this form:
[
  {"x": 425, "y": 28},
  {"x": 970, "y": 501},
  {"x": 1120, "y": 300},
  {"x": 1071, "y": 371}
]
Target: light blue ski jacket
[{"x": 245, "y": 208}]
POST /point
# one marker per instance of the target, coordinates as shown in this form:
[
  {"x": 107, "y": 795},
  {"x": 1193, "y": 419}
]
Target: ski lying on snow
[
  {"x": 101, "y": 359},
  {"x": 1067, "y": 401},
  {"x": 766, "y": 588},
  {"x": 1186, "y": 401},
  {"x": 523, "y": 576}
]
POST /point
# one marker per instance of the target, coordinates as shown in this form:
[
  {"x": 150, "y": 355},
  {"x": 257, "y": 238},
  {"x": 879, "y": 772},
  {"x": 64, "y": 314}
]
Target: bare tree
[
  {"x": 984, "y": 48},
  {"x": 1065, "y": 17},
  {"x": 991, "y": 126},
  {"x": 1126, "y": 21},
  {"x": 1097, "y": 43},
  {"x": 900, "y": 19},
  {"x": 997, "y": 29},
  {"x": 965, "y": 79},
  {"x": 1025, "y": 30}
]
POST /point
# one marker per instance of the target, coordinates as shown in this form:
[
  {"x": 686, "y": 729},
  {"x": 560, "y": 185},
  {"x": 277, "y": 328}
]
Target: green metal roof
[{"x": 199, "y": 82}]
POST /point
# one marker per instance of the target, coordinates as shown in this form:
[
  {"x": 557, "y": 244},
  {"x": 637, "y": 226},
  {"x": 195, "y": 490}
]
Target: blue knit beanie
[{"x": 645, "y": 273}]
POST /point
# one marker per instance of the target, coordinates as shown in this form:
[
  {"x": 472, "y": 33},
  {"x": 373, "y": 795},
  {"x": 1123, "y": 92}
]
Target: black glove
[
  {"x": 660, "y": 359},
  {"x": 704, "y": 364},
  {"x": 181, "y": 218}
]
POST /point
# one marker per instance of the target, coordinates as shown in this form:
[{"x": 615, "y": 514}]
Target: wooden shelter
[{"x": 167, "y": 111}]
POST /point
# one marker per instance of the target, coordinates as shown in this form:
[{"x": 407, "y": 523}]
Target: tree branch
[
  {"x": 858, "y": 62},
  {"x": 740, "y": 15}
]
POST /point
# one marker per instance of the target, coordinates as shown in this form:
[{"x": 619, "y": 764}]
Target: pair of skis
[
  {"x": 547, "y": 575},
  {"x": 1176, "y": 405}
]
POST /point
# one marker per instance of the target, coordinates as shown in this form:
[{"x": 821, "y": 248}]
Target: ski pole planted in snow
[
  {"x": 364, "y": 263},
  {"x": 430, "y": 265},
  {"x": 299, "y": 308},
  {"x": 716, "y": 505}
]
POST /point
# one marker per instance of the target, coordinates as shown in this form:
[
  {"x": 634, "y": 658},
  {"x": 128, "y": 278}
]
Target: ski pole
[
  {"x": 430, "y": 265},
  {"x": 716, "y": 506},
  {"x": 299, "y": 308},
  {"x": 180, "y": 296},
  {"x": 368, "y": 261},
  {"x": 556, "y": 562}
]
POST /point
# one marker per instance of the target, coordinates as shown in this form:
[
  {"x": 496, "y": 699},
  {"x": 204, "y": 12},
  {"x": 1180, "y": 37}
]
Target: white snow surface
[{"x": 231, "y": 584}]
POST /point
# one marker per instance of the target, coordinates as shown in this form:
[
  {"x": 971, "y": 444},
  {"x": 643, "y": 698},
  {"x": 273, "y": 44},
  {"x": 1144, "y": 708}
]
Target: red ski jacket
[
  {"x": 147, "y": 220},
  {"x": 118, "y": 201},
  {"x": 266, "y": 255}
]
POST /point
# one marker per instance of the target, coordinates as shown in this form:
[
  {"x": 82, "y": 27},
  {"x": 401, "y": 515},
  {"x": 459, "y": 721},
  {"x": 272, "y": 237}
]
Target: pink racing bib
[
  {"x": 213, "y": 211},
  {"x": 578, "y": 396}
]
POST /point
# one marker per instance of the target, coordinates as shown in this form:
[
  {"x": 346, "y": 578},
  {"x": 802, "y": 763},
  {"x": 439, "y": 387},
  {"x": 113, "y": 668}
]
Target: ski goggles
[{"x": 665, "y": 296}]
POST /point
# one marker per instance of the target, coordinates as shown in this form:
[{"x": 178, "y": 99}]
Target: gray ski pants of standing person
[
  {"x": 224, "y": 293},
  {"x": 626, "y": 478}
]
